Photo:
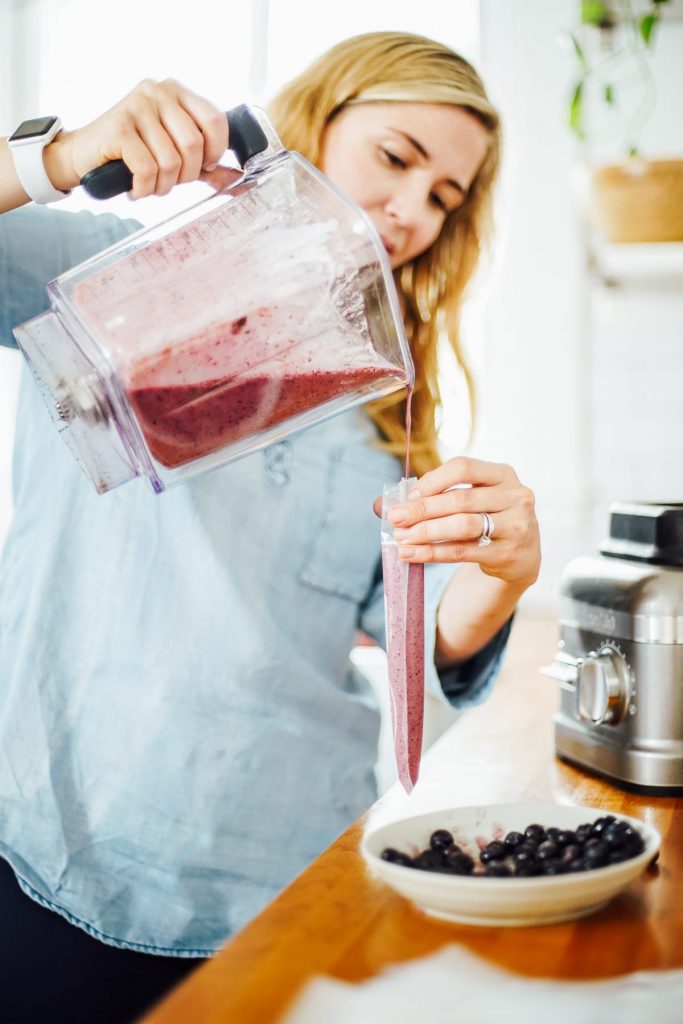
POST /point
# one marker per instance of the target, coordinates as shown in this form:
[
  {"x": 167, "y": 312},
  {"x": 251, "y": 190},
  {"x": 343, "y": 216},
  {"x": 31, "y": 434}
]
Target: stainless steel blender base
[{"x": 643, "y": 771}]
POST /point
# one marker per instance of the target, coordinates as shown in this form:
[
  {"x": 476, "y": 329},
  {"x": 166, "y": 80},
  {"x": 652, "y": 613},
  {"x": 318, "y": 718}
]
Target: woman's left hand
[{"x": 442, "y": 522}]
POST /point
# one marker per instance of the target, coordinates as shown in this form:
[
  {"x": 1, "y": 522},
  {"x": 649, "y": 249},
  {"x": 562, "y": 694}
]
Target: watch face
[{"x": 34, "y": 128}]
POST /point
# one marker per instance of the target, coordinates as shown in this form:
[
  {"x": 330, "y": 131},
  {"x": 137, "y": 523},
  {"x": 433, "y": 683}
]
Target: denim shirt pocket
[{"x": 345, "y": 545}]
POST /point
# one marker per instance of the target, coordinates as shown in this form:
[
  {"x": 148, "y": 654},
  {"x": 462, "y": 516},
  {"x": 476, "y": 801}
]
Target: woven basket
[{"x": 638, "y": 200}]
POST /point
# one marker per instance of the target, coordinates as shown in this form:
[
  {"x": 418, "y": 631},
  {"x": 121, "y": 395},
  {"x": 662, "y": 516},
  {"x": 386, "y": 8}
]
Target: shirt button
[{"x": 278, "y": 459}]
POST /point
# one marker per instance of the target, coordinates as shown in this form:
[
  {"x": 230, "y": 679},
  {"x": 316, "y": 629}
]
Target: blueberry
[
  {"x": 596, "y": 853},
  {"x": 494, "y": 851},
  {"x": 614, "y": 836},
  {"x": 600, "y": 824},
  {"x": 554, "y": 867},
  {"x": 524, "y": 855},
  {"x": 441, "y": 839},
  {"x": 428, "y": 860},
  {"x": 396, "y": 857},
  {"x": 547, "y": 851},
  {"x": 622, "y": 826},
  {"x": 535, "y": 832},
  {"x": 635, "y": 845},
  {"x": 513, "y": 839},
  {"x": 617, "y": 856},
  {"x": 528, "y": 869},
  {"x": 552, "y": 834},
  {"x": 583, "y": 833},
  {"x": 633, "y": 840},
  {"x": 498, "y": 870},
  {"x": 571, "y": 853},
  {"x": 577, "y": 865},
  {"x": 458, "y": 862},
  {"x": 565, "y": 837}
]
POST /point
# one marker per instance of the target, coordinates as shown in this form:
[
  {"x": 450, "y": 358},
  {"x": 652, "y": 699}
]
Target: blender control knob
[{"x": 602, "y": 687}]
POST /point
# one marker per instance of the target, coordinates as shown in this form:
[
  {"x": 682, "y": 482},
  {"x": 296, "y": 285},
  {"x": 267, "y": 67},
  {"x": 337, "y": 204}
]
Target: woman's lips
[{"x": 387, "y": 244}]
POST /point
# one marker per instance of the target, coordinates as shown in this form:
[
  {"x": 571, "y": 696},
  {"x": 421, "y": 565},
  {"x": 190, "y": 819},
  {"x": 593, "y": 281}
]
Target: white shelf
[{"x": 638, "y": 263}]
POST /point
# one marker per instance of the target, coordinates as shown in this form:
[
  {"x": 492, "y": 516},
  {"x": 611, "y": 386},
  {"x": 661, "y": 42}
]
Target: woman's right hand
[{"x": 164, "y": 133}]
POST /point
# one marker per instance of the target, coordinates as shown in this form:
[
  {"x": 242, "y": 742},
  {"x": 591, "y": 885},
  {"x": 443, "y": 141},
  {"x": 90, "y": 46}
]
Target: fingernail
[
  {"x": 414, "y": 494},
  {"x": 210, "y": 167},
  {"x": 397, "y": 515},
  {"x": 405, "y": 552}
]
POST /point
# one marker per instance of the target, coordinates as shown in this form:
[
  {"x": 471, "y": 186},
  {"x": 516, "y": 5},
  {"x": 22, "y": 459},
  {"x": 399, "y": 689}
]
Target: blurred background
[{"x": 575, "y": 333}]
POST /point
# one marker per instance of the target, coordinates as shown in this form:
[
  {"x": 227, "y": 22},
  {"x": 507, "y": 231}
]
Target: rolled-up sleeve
[
  {"x": 462, "y": 685},
  {"x": 36, "y": 245}
]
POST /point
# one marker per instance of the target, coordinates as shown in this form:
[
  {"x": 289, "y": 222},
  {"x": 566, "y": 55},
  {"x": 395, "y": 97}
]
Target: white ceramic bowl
[{"x": 501, "y": 901}]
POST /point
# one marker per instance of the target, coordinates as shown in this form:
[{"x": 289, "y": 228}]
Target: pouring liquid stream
[{"x": 409, "y": 399}]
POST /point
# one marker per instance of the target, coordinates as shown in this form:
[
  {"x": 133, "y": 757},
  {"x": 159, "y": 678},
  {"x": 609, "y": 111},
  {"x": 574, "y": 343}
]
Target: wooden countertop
[{"x": 336, "y": 919}]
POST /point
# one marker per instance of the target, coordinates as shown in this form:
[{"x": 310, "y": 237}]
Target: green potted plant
[{"x": 634, "y": 199}]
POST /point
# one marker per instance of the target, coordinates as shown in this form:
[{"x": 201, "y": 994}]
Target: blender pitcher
[{"x": 261, "y": 310}]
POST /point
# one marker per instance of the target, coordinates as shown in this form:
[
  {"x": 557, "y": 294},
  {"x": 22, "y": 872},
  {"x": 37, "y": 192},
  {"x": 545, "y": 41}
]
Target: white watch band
[{"x": 27, "y": 154}]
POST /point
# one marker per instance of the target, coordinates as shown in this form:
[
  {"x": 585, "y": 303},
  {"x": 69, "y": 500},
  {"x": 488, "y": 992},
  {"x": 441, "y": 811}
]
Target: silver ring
[{"x": 487, "y": 530}]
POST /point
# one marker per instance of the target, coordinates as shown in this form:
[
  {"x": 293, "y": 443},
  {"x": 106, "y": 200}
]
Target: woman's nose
[
  {"x": 403, "y": 204},
  {"x": 406, "y": 203}
]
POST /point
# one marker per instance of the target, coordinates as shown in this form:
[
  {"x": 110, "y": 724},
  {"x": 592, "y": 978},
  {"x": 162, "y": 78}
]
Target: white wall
[
  {"x": 533, "y": 314},
  {"x": 555, "y": 343}
]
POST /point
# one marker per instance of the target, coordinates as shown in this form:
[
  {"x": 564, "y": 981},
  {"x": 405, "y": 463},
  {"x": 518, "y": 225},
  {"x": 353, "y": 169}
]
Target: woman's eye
[
  {"x": 438, "y": 202},
  {"x": 392, "y": 159}
]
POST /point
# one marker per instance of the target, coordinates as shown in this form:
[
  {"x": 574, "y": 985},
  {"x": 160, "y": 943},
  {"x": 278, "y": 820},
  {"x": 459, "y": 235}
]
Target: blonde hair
[{"x": 398, "y": 67}]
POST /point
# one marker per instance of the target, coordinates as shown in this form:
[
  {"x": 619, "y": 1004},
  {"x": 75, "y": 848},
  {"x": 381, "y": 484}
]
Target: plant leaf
[
  {"x": 576, "y": 110},
  {"x": 594, "y": 12},
  {"x": 578, "y": 50},
  {"x": 657, "y": 3},
  {"x": 608, "y": 94},
  {"x": 647, "y": 25}
]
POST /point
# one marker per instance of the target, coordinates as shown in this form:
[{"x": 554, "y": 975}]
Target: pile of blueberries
[{"x": 536, "y": 851}]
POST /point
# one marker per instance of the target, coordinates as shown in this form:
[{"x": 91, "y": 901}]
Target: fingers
[
  {"x": 164, "y": 132},
  {"x": 460, "y": 528},
  {"x": 458, "y": 501},
  {"x": 160, "y": 163},
  {"x": 183, "y": 132},
  {"x": 468, "y": 551},
  {"x": 464, "y": 470},
  {"x": 211, "y": 122}
]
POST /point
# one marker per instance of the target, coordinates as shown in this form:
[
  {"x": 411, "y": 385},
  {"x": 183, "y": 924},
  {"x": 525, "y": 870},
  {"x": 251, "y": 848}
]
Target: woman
[{"x": 180, "y": 731}]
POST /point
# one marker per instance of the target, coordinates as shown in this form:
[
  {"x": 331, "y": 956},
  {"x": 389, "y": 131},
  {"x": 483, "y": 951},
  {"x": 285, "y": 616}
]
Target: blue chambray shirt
[{"x": 180, "y": 729}]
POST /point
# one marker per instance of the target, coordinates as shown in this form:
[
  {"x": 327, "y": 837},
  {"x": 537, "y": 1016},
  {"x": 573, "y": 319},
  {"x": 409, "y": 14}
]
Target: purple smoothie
[
  {"x": 183, "y": 422},
  {"x": 404, "y": 607}
]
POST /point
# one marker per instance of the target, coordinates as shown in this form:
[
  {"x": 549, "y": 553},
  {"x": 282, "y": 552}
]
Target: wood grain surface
[{"x": 335, "y": 919}]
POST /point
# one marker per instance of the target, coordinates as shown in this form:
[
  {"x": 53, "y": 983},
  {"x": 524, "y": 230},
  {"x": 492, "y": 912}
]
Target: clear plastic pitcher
[{"x": 260, "y": 310}]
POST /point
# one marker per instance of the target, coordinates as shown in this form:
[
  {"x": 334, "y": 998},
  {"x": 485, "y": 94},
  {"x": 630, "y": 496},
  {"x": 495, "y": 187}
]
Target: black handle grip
[
  {"x": 246, "y": 138},
  {"x": 108, "y": 180}
]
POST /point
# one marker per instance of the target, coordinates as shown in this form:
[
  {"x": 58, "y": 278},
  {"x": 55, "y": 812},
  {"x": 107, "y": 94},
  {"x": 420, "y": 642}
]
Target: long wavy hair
[{"x": 399, "y": 67}]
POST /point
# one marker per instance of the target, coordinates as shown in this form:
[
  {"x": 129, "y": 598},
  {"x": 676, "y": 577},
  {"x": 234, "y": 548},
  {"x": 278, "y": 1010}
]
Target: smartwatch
[{"x": 26, "y": 145}]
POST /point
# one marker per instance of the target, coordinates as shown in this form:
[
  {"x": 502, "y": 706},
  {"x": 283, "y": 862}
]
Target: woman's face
[{"x": 408, "y": 165}]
